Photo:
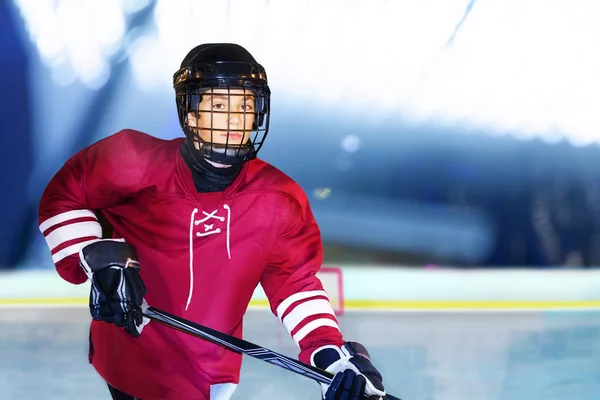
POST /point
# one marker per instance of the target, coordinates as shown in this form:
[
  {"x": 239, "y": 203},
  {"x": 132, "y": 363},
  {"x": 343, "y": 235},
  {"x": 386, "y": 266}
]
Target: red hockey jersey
[{"x": 201, "y": 256}]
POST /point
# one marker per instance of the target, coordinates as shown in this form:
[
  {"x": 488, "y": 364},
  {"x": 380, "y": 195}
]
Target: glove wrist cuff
[{"x": 326, "y": 356}]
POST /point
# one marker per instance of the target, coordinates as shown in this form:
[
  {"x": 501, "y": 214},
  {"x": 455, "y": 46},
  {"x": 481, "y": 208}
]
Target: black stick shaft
[{"x": 241, "y": 346}]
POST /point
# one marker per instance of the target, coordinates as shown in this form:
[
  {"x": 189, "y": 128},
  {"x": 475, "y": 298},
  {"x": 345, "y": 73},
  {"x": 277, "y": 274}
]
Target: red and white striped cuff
[
  {"x": 304, "y": 312},
  {"x": 68, "y": 232}
]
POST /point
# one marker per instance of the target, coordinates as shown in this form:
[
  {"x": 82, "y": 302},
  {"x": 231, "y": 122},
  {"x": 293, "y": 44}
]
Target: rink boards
[{"x": 377, "y": 288}]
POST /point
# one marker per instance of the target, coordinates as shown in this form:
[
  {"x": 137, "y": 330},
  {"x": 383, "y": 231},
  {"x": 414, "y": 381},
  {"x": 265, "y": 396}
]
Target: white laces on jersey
[{"x": 206, "y": 227}]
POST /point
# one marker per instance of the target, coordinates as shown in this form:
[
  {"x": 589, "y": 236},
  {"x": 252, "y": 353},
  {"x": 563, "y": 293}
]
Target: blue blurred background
[{"x": 435, "y": 132}]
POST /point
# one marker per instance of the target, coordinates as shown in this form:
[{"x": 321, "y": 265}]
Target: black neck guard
[{"x": 207, "y": 177}]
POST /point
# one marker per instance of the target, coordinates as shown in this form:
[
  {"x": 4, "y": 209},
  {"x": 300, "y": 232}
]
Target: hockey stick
[{"x": 241, "y": 346}]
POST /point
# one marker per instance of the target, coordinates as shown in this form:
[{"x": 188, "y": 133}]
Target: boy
[{"x": 198, "y": 223}]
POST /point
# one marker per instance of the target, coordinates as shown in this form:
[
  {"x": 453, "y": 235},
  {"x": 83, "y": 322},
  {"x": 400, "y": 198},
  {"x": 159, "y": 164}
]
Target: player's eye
[
  {"x": 219, "y": 106},
  {"x": 247, "y": 107}
]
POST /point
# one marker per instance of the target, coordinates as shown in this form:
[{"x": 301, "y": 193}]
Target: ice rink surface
[{"x": 553, "y": 355}]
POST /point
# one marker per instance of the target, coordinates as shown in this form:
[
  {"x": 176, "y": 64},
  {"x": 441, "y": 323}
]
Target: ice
[{"x": 422, "y": 355}]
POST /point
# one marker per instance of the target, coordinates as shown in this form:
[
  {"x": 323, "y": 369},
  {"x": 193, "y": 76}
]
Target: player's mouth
[{"x": 232, "y": 136}]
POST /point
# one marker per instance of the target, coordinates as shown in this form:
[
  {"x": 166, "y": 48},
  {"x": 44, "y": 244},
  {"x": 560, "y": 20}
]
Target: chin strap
[{"x": 227, "y": 154}]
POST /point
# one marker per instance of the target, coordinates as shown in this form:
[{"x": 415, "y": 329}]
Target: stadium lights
[{"x": 526, "y": 69}]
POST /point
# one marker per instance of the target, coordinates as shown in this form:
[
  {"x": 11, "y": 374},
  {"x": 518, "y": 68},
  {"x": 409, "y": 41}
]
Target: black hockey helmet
[{"x": 222, "y": 66}]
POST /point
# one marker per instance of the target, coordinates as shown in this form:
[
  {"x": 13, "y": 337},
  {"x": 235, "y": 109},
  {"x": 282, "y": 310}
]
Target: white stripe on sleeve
[
  {"x": 307, "y": 309},
  {"x": 298, "y": 296},
  {"x": 66, "y": 216},
  {"x": 67, "y": 251},
  {"x": 311, "y": 326},
  {"x": 73, "y": 231}
]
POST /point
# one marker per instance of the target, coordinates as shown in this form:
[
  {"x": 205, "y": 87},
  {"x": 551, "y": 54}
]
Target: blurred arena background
[
  {"x": 457, "y": 132},
  {"x": 450, "y": 149}
]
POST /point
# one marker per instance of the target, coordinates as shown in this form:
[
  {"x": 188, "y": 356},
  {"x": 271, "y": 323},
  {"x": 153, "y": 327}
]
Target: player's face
[{"x": 224, "y": 116}]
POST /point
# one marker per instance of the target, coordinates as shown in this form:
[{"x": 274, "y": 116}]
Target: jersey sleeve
[
  {"x": 99, "y": 176},
  {"x": 294, "y": 291}
]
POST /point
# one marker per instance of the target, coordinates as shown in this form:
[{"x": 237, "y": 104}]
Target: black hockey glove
[
  {"x": 117, "y": 292},
  {"x": 354, "y": 375}
]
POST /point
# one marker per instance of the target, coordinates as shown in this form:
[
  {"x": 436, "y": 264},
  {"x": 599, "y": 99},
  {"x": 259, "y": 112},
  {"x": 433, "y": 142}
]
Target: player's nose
[{"x": 234, "y": 119}]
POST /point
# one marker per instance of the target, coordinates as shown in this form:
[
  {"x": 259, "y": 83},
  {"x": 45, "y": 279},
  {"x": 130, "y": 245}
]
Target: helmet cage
[{"x": 193, "y": 82}]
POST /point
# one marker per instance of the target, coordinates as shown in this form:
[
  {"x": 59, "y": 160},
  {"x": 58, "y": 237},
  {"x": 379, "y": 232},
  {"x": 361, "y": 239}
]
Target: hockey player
[{"x": 198, "y": 223}]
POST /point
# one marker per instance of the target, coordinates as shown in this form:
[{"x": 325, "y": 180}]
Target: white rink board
[{"x": 374, "y": 283}]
